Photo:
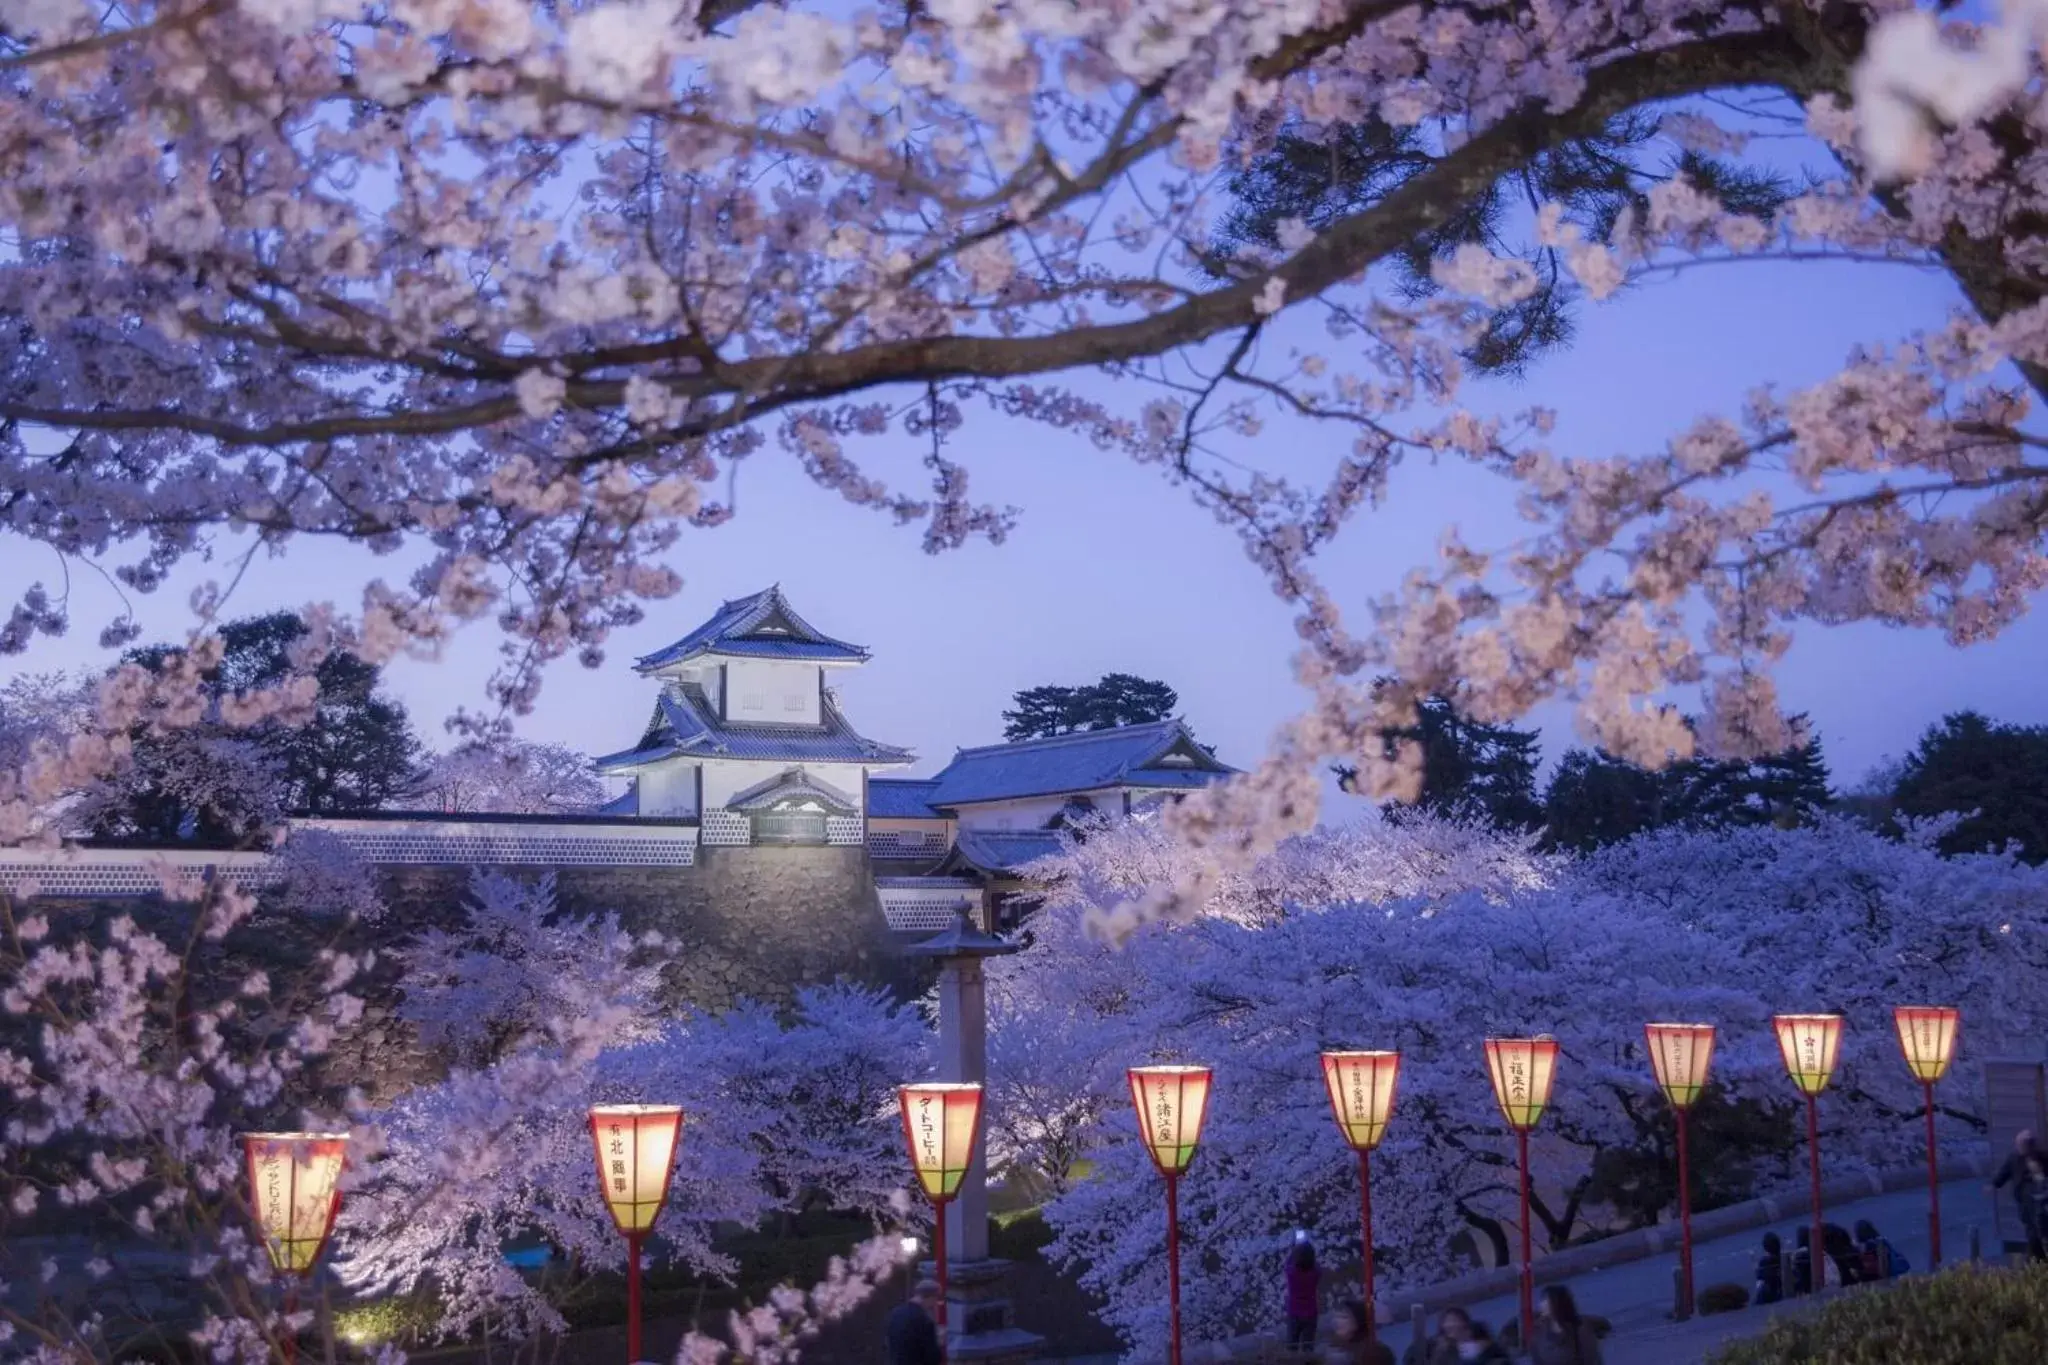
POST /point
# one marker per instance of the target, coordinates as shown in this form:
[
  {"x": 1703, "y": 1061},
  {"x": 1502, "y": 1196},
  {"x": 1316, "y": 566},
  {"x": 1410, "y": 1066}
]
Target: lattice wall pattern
[
  {"x": 726, "y": 828},
  {"x": 86, "y": 879},
  {"x": 845, "y": 830},
  {"x": 549, "y": 847}
]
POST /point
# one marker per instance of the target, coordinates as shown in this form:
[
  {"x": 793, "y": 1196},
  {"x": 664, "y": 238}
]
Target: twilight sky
[{"x": 1110, "y": 569}]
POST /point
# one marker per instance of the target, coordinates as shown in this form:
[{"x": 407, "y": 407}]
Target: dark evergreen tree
[
  {"x": 358, "y": 752},
  {"x": 1595, "y": 799},
  {"x": 1116, "y": 699},
  {"x": 1969, "y": 763},
  {"x": 1470, "y": 768},
  {"x": 1595, "y": 178}
]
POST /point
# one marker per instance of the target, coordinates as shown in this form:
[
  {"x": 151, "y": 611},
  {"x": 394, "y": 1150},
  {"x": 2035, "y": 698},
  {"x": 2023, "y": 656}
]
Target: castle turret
[{"x": 747, "y": 736}]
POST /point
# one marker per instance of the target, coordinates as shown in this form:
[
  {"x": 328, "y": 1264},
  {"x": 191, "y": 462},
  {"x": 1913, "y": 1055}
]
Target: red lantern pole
[
  {"x": 1372, "y": 1320},
  {"x": 939, "y": 1263},
  {"x": 1933, "y": 1186},
  {"x": 1173, "y": 1266},
  {"x": 1361, "y": 1086},
  {"x": 1927, "y": 1035},
  {"x": 1684, "y": 1216},
  {"x": 1528, "y": 1267},
  {"x": 635, "y": 1145},
  {"x": 1172, "y": 1102},
  {"x": 1815, "y": 1258},
  {"x": 633, "y": 1355}
]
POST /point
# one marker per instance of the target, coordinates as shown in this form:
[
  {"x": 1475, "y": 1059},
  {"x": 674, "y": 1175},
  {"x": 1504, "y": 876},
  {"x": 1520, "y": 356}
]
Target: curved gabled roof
[
  {"x": 685, "y": 723},
  {"x": 1162, "y": 754},
  {"x": 762, "y": 626}
]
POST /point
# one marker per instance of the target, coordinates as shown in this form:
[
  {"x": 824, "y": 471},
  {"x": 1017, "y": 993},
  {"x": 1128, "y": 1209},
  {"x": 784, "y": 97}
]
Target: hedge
[{"x": 1965, "y": 1316}]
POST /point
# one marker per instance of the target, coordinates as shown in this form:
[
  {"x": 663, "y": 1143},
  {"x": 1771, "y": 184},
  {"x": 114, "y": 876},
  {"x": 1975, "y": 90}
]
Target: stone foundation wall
[{"x": 754, "y": 922}]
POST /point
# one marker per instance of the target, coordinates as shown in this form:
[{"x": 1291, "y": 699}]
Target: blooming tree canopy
[
  {"x": 1728, "y": 927},
  {"x": 516, "y": 283}
]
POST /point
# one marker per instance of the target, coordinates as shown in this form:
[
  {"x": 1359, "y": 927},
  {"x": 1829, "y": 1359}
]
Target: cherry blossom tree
[
  {"x": 521, "y": 776},
  {"x": 515, "y": 963},
  {"x": 518, "y": 284},
  {"x": 1729, "y": 927}
]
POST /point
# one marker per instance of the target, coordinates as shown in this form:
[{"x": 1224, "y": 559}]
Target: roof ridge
[{"x": 1073, "y": 736}]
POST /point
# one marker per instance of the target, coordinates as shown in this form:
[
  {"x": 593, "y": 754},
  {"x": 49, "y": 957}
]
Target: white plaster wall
[
  {"x": 669, "y": 789},
  {"x": 724, "y": 777},
  {"x": 772, "y": 693},
  {"x": 1032, "y": 812}
]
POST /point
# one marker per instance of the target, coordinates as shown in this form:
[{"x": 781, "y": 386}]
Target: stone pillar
[{"x": 963, "y": 1056}]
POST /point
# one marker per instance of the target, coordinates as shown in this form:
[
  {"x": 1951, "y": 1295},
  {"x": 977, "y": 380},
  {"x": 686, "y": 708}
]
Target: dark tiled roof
[
  {"x": 1005, "y": 852},
  {"x": 902, "y": 798},
  {"x": 787, "y": 784},
  {"x": 685, "y": 724},
  {"x": 760, "y": 626},
  {"x": 1084, "y": 761}
]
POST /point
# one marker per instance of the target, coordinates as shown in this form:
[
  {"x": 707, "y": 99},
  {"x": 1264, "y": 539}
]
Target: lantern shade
[
  {"x": 1680, "y": 1055},
  {"x": 1522, "y": 1069},
  {"x": 941, "y": 1121},
  {"x": 1361, "y": 1086},
  {"x": 1172, "y": 1101},
  {"x": 636, "y": 1150},
  {"x": 295, "y": 1189},
  {"x": 1927, "y": 1035},
  {"x": 1809, "y": 1044}
]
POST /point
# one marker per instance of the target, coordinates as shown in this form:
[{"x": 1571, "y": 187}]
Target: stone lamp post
[{"x": 981, "y": 1327}]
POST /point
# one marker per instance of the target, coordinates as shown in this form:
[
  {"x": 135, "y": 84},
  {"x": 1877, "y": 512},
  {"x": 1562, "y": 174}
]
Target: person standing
[
  {"x": 913, "y": 1332},
  {"x": 2026, "y": 1170},
  {"x": 1562, "y": 1337},
  {"x": 1304, "y": 1282},
  {"x": 1770, "y": 1271}
]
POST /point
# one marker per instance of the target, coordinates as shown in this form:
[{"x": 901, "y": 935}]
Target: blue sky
[{"x": 1110, "y": 569}]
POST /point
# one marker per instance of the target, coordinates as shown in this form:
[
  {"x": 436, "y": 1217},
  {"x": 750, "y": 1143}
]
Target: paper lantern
[
  {"x": 1927, "y": 1035},
  {"x": 1680, "y": 1055},
  {"x": 1522, "y": 1069},
  {"x": 295, "y": 1189},
  {"x": 1361, "y": 1086},
  {"x": 1809, "y": 1043},
  {"x": 1172, "y": 1102},
  {"x": 940, "y": 1123},
  {"x": 636, "y": 1149}
]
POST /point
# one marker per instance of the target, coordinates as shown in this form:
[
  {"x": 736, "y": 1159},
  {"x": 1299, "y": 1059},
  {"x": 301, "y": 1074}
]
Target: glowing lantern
[
  {"x": 1361, "y": 1086},
  {"x": 1680, "y": 1055},
  {"x": 1809, "y": 1043},
  {"x": 295, "y": 1189},
  {"x": 636, "y": 1152},
  {"x": 1172, "y": 1101},
  {"x": 1927, "y": 1035},
  {"x": 940, "y": 1123},
  {"x": 1522, "y": 1069}
]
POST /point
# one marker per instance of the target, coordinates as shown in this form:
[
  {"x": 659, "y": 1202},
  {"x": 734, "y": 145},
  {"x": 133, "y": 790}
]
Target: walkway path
[{"x": 1637, "y": 1297}]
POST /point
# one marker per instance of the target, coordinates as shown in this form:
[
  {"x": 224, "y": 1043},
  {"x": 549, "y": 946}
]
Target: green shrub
[
  {"x": 404, "y": 1318},
  {"x": 1966, "y": 1316},
  {"x": 1723, "y": 1298}
]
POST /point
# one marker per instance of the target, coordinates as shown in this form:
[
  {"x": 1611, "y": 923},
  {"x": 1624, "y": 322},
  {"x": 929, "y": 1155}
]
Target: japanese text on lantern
[
  {"x": 618, "y": 1151},
  {"x": 927, "y": 1133},
  {"x": 1162, "y": 1115},
  {"x": 275, "y": 1215},
  {"x": 1518, "y": 1081}
]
